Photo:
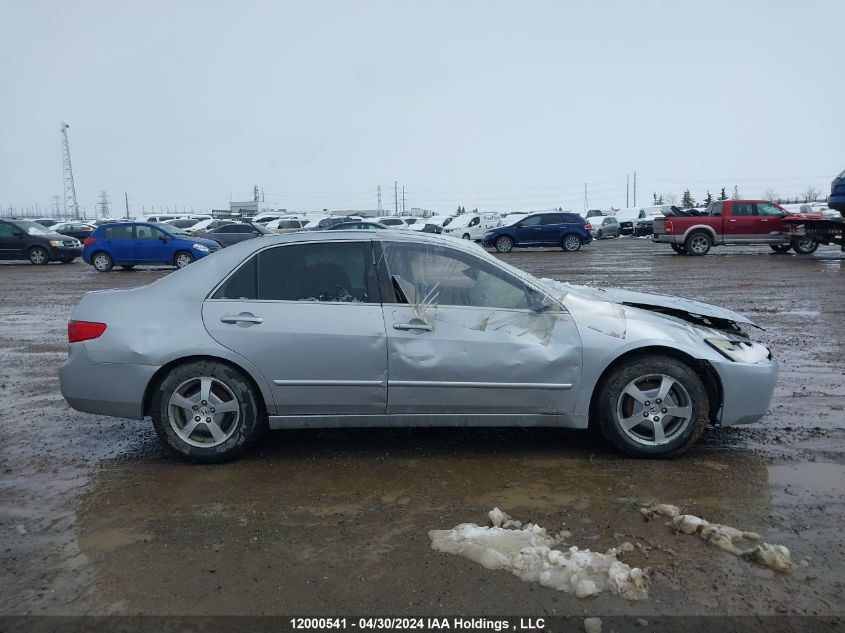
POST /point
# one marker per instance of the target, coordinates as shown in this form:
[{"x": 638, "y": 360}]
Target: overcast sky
[{"x": 495, "y": 105}]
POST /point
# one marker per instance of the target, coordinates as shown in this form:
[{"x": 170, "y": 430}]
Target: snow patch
[
  {"x": 725, "y": 537},
  {"x": 530, "y": 553}
]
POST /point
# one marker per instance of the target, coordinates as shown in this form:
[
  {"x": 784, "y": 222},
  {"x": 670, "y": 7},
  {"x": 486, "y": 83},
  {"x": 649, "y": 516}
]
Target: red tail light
[
  {"x": 669, "y": 227},
  {"x": 588, "y": 226},
  {"x": 88, "y": 240},
  {"x": 84, "y": 330}
]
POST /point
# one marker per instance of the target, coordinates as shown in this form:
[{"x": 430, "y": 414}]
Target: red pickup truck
[{"x": 727, "y": 222}]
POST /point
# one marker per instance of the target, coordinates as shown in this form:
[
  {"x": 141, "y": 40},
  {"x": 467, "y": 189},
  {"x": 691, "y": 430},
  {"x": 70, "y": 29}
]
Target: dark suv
[
  {"x": 837, "y": 194},
  {"x": 22, "y": 239},
  {"x": 567, "y": 230}
]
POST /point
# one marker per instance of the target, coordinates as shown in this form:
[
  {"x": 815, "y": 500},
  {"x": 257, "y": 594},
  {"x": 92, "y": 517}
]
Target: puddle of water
[{"x": 819, "y": 478}]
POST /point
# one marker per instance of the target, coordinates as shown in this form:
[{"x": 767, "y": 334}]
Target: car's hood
[
  {"x": 200, "y": 240},
  {"x": 686, "y": 309}
]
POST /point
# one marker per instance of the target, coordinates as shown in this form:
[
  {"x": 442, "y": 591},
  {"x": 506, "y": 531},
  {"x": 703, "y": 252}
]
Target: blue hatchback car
[
  {"x": 567, "y": 230},
  {"x": 127, "y": 244},
  {"x": 837, "y": 194}
]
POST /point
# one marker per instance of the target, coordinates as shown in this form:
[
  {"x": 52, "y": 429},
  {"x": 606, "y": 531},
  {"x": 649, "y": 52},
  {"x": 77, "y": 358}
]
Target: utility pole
[
  {"x": 126, "y": 201},
  {"x": 255, "y": 193},
  {"x": 403, "y": 199},
  {"x": 635, "y": 188},
  {"x": 395, "y": 198},
  {"x": 379, "y": 198},
  {"x": 586, "y": 200},
  {"x": 71, "y": 205}
]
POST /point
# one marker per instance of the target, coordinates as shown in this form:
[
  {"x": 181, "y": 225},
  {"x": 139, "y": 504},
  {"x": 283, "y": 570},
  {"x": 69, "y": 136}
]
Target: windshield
[
  {"x": 33, "y": 228},
  {"x": 169, "y": 228}
]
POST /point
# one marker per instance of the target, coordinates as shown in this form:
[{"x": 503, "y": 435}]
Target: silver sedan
[{"x": 387, "y": 328}]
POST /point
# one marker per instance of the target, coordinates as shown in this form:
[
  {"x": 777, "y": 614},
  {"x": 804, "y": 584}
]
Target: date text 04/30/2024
[{"x": 418, "y": 624}]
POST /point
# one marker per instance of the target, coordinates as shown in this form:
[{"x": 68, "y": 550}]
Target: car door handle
[
  {"x": 764, "y": 220},
  {"x": 413, "y": 326},
  {"x": 731, "y": 220},
  {"x": 243, "y": 317}
]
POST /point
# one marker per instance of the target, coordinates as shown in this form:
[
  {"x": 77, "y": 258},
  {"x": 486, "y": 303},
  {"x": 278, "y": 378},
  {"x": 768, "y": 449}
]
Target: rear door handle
[
  {"x": 413, "y": 326},
  {"x": 243, "y": 317}
]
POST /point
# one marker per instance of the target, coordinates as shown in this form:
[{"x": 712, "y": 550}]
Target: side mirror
[
  {"x": 163, "y": 238},
  {"x": 18, "y": 234}
]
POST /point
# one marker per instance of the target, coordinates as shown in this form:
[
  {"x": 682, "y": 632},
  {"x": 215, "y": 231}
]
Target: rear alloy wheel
[
  {"x": 804, "y": 245},
  {"x": 680, "y": 250},
  {"x": 207, "y": 412},
  {"x": 182, "y": 259},
  {"x": 652, "y": 406},
  {"x": 698, "y": 244},
  {"x": 504, "y": 244},
  {"x": 102, "y": 262},
  {"x": 780, "y": 248},
  {"x": 39, "y": 256},
  {"x": 571, "y": 243}
]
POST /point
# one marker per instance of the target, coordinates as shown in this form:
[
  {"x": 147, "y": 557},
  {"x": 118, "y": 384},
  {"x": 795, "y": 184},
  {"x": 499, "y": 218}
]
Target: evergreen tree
[
  {"x": 459, "y": 208},
  {"x": 708, "y": 198},
  {"x": 736, "y": 192},
  {"x": 654, "y": 195},
  {"x": 687, "y": 202},
  {"x": 723, "y": 195}
]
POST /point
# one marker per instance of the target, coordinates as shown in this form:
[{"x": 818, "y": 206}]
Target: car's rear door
[
  {"x": 308, "y": 315},
  {"x": 466, "y": 337},
  {"x": 118, "y": 241},
  {"x": 11, "y": 241}
]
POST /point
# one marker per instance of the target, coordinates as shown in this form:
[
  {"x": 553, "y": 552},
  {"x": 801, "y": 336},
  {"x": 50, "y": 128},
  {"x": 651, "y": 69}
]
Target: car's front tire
[
  {"x": 504, "y": 244},
  {"x": 182, "y": 259},
  {"x": 599, "y": 234},
  {"x": 207, "y": 412},
  {"x": 804, "y": 245},
  {"x": 465, "y": 236},
  {"x": 38, "y": 256},
  {"x": 652, "y": 406},
  {"x": 102, "y": 262},
  {"x": 571, "y": 243}
]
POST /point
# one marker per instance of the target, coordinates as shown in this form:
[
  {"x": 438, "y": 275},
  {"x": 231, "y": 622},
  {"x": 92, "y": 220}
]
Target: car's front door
[
  {"x": 742, "y": 225},
  {"x": 771, "y": 221},
  {"x": 309, "y": 317},
  {"x": 150, "y": 245},
  {"x": 530, "y": 230},
  {"x": 465, "y": 336}
]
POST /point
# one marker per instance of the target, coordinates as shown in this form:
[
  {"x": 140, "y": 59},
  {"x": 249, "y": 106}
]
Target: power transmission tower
[
  {"x": 71, "y": 205},
  {"x": 379, "y": 197},
  {"x": 255, "y": 193},
  {"x": 103, "y": 204}
]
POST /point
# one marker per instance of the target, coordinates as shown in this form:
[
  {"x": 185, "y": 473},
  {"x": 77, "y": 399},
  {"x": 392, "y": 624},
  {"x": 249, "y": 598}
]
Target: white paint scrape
[{"x": 530, "y": 553}]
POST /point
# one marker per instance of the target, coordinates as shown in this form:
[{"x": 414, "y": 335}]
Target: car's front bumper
[
  {"x": 65, "y": 252},
  {"x": 746, "y": 390},
  {"x": 114, "y": 389}
]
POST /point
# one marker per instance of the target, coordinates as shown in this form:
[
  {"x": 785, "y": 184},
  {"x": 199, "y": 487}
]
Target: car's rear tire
[
  {"x": 127, "y": 266},
  {"x": 780, "y": 248},
  {"x": 207, "y": 412},
  {"x": 599, "y": 234},
  {"x": 38, "y": 255},
  {"x": 680, "y": 250},
  {"x": 571, "y": 243},
  {"x": 182, "y": 259},
  {"x": 634, "y": 405},
  {"x": 804, "y": 245},
  {"x": 102, "y": 262},
  {"x": 504, "y": 244},
  {"x": 698, "y": 243}
]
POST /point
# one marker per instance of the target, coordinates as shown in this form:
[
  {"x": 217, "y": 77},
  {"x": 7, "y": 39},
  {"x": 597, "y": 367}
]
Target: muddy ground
[{"x": 95, "y": 518}]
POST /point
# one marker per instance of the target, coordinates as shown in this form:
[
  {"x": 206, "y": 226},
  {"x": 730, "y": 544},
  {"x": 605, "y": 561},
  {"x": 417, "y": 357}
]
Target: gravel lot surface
[{"x": 96, "y": 518}]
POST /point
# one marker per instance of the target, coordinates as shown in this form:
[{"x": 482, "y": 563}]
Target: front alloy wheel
[
  {"x": 504, "y": 244},
  {"x": 182, "y": 259},
  {"x": 804, "y": 245},
  {"x": 39, "y": 256}
]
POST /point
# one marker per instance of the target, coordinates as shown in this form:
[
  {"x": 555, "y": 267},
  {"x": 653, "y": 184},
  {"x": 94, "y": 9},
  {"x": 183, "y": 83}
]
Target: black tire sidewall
[
  {"x": 250, "y": 424},
  {"x": 809, "y": 251},
  {"x": 612, "y": 386}
]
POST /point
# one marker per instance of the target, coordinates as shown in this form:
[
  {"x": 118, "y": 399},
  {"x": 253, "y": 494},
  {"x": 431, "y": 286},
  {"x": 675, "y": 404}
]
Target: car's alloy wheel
[
  {"x": 207, "y": 411},
  {"x": 38, "y": 256},
  {"x": 504, "y": 244},
  {"x": 804, "y": 245},
  {"x": 183, "y": 258},
  {"x": 698, "y": 244},
  {"x": 571, "y": 243},
  {"x": 102, "y": 262},
  {"x": 652, "y": 406}
]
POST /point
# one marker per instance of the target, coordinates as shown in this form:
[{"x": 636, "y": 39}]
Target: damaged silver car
[{"x": 379, "y": 328}]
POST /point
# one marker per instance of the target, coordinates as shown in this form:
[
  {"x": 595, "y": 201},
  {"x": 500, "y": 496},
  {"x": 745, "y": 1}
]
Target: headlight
[
  {"x": 201, "y": 247},
  {"x": 740, "y": 351},
  {"x": 55, "y": 242}
]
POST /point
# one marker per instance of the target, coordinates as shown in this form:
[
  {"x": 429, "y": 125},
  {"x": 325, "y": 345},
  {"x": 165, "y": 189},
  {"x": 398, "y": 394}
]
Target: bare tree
[
  {"x": 811, "y": 194},
  {"x": 670, "y": 198},
  {"x": 770, "y": 194}
]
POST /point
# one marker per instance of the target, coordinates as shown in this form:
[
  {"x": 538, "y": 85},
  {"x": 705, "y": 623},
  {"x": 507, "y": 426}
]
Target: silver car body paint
[{"x": 328, "y": 364}]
